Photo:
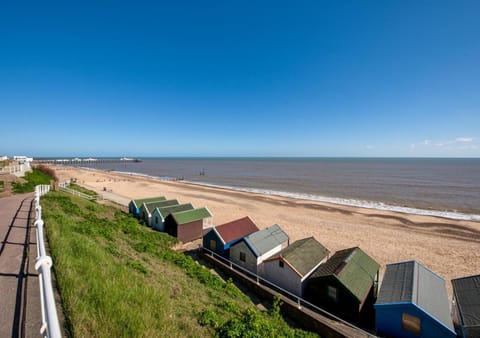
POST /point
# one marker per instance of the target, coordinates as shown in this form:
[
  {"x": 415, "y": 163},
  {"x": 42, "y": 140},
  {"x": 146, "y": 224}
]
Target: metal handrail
[
  {"x": 43, "y": 264},
  {"x": 287, "y": 293}
]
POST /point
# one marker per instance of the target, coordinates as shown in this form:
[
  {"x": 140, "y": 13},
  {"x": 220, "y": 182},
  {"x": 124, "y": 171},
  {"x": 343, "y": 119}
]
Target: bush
[
  {"x": 47, "y": 171},
  {"x": 33, "y": 178}
]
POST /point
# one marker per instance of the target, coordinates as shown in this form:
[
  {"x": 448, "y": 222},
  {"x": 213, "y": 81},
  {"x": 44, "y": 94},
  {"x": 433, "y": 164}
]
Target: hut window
[
  {"x": 213, "y": 245},
  {"x": 242, "y": 256},
  {"x": 411, "y": 323},
  {"x": 156, "y": 219},
  {"x": 280, "y": 264},
  {"x": 332, "y": 293}
]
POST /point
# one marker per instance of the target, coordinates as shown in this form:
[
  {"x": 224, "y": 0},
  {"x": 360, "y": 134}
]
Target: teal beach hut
[{"x": 135, "y": 205}]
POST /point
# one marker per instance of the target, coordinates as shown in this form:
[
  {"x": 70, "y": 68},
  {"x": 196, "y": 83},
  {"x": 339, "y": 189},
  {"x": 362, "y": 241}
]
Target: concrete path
[{"x": 20, "y": 309}]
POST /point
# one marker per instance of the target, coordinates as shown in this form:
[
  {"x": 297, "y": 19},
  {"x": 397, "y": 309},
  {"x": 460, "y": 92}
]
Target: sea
[{"x": 448, "y": 188}]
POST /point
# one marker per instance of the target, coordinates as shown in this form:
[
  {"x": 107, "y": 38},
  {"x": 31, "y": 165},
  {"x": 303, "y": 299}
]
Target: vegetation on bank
[
  {"x": 78, "y": 188},
  {"x": 120, "y": 279},
  {"x": 2, "y": 186},
  {"x": 32, "y": 178}
]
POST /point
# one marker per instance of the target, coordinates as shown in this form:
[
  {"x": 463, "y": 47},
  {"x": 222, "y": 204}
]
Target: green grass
[
  {"x": 120, "y": 279},
  {"x": 2, "y": 186},
  {"x": 82, "y": 190},
  {"x": 33, "y": 178}
]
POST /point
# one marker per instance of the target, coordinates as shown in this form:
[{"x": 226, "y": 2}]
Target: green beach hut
[
  {"x": 345, "y": 284},
  {"x": 159, "y": 214},
  {"x": 188, "y": 225}
]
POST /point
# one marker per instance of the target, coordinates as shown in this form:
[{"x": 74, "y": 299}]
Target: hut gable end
[{"x": 263, "y": 241}]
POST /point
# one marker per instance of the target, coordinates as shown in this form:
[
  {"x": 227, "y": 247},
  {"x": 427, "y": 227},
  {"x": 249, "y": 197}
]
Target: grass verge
[
  {"x": 120, "y": 279},
  {"x": 78, "y": 188},
  {"x": 33, "y": 178}
]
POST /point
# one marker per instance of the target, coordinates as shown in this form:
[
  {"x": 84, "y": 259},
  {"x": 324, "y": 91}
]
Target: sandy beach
[{"x": 450, "y": 248}]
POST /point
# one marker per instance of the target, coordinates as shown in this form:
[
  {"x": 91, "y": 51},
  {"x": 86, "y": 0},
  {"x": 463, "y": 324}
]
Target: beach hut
[
  {"x": 220, "y": 238},
  {"x": 466, "y": 306},
  {"x": 159, "y": 214},
  {"x": 412, "y": 302},
  {"x": 134, "y": 205},
  {"x": 290, "y": 268},
  {"x": 187, "y": 225},
  {"x": 147, "y": 208},
  {"x": 253, "y": 249},
  {"x": 345, "y": 284}
]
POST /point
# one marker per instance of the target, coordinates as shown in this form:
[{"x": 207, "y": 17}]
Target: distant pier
[{"x": 80, "y": 161}]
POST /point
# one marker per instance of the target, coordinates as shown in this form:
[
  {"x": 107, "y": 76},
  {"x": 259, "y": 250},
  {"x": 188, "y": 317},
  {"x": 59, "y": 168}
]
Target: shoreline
[
  {"x": 373, "y": 205},
  {"x": 448, "y": 247}
]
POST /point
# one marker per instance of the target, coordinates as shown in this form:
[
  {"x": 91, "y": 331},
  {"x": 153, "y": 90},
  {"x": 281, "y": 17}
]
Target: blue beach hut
[
  {"x": 413, "y": 302},
  {"x": 220, "y": 238}
]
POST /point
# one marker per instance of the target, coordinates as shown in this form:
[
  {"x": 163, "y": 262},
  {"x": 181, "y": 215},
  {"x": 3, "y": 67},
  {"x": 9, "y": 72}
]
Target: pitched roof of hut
[
  {"x": 159, "y": 204},
  {"x": 264, "y": 240},
  {"x": 138, "y": 202},
  {"x": 412, "y": 282},
  {"x": 303, "y": 255},
  {"x": 236, "y": 229},
  {"x": 184, "y": 217},
  {"x": 467, "y": 296},
  {"x": 165, "y": 211},
  {"x": 353, "y": 268}
]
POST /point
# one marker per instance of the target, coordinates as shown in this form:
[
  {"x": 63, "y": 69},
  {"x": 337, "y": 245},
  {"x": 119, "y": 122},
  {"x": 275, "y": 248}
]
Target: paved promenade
[{"x": 20, "y": 309}]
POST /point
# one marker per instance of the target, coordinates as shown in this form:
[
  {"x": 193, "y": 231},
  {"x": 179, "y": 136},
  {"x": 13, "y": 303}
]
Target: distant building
[
  {"x": 23, "y": 159},
  {"x": 345, "y": 284},
  {"x": 147, "y": 208},
  {"x": 253, "y": 249},
  {"x": 159, "y": 214},
  {"x": 135, "y": 205},
  {"x": 220, "y": 238},
  {"x": 412, "y": 302},
  {"x": 290, "y": 268},
  {"x": 466, "y": 306},
  {"x": 188, "y": 225}
]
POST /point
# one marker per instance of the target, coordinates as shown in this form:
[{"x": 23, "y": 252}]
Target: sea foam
[{"x": 352, "y": 202}]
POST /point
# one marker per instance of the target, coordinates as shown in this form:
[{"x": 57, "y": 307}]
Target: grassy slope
[
  {"x": 82, "y": 190},
  {"x": 120, "y": 279},
  {"x": 33, "y": 178}
]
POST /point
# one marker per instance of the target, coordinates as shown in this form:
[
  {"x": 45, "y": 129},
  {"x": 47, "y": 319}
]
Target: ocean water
[{"x": 442, "y": 187}]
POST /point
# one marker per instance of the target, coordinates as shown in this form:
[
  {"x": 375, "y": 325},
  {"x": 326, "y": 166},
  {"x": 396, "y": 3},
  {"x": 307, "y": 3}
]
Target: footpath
[{"x": 20, "y": 308}]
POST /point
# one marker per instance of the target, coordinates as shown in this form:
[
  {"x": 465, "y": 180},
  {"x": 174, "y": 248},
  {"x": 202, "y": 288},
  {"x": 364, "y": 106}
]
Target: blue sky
[{"x": 240, "y": 78}]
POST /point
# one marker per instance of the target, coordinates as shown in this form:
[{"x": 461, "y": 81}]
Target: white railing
[
  {"x": 64, "y": 187},
  {"x": 77, "y": 193},
  {"x": 300, "y": 301},
  {"x": 50, "y": 325},
  {"x": 16, "y": 169}
]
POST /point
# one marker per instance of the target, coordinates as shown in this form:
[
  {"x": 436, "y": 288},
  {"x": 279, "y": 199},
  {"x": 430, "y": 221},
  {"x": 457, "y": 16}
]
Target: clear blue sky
[{"x": 240, "y": 78}]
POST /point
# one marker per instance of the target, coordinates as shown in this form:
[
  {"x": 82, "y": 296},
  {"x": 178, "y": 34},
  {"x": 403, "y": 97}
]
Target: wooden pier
[{"x": 81, "y": 161}]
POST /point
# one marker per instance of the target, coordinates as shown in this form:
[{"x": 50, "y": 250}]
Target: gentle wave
[
  {"x": 161, "y": 178},
  {"x": 352, "y": 202},
  {"x": 317, "y": 198}
]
